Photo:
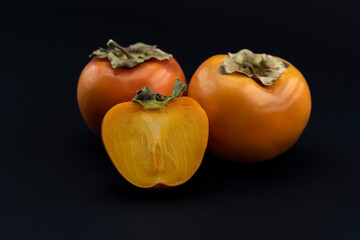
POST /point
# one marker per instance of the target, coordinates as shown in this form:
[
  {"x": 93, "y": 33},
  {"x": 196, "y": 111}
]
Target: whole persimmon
[
  {"x": 116, "y": 73},
  {"x": 258, "y": 105},
  {"x": 156, "y": 141}
]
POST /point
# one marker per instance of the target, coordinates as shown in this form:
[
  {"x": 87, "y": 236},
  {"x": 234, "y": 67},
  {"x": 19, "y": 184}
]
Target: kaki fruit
[
  {"x": 156, "y": 141},
  {"x": 116, "y": 73},
  {"x": 257, "y": 104}
]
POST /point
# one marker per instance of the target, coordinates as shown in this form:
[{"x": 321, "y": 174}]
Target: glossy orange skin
[
  {"x": 101, "y": 87},
  {"x": 250, "y": 122}
]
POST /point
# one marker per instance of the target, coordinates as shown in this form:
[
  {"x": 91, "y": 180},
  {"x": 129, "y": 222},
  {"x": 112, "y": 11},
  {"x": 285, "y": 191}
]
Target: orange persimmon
[
  {"x": 156, "y": 141},
  {"x": 258, "y": 105},
  {"x": 116, "y": 73}
]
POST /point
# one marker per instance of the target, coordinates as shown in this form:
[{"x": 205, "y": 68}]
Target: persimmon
[
  {"x": 258, "y": 105},
  {"x": 116, "y": 73},
  {"x": 156, "y": 141}
]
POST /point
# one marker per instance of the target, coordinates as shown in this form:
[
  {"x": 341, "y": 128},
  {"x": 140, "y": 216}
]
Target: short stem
[
  {"x": 121, "y": 48},
  {"x": 250, "y": 66}
]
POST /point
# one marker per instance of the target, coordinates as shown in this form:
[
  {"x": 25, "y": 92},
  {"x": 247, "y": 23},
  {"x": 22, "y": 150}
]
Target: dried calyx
[
  {"x": 151, "y": 100},
  {"x": 131, "y": 56},
  {"x": 262, "y": 67}
]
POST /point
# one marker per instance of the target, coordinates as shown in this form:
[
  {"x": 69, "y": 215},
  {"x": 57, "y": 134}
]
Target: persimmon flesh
[{"x": 156, "y": 147}]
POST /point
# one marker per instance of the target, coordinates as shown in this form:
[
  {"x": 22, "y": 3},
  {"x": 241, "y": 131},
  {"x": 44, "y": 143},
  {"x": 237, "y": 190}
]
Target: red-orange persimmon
[{"x": 115, "y": 74}]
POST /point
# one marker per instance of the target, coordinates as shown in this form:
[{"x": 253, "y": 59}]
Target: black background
[{"x": 57, "y": 181}]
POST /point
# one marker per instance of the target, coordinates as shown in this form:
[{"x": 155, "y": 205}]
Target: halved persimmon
[{"x": 156, "y": 141}]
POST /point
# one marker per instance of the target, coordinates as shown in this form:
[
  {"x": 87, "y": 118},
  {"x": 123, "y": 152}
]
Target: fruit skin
[
  {"x": 250, "y": 122},
  {"x": 156, "y": 148},
  {"x": 101, "y": 87}
]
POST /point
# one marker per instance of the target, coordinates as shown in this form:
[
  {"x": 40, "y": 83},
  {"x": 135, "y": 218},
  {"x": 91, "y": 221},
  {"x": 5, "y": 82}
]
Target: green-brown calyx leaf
[
  {"x": 131, "y": 56},
  {"x": 262, "y": 67},
  {"x": 147, "y": 98}
]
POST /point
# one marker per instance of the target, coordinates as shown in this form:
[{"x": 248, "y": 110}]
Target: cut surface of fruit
[{"x": 156, "y": 147}]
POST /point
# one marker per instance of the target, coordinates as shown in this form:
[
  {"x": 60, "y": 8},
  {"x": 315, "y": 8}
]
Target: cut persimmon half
[{"x": 156, "y": 141}]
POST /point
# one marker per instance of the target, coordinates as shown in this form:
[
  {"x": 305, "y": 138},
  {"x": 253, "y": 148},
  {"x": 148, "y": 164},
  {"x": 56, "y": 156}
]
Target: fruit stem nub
[{"x": 112, "y": 43}]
